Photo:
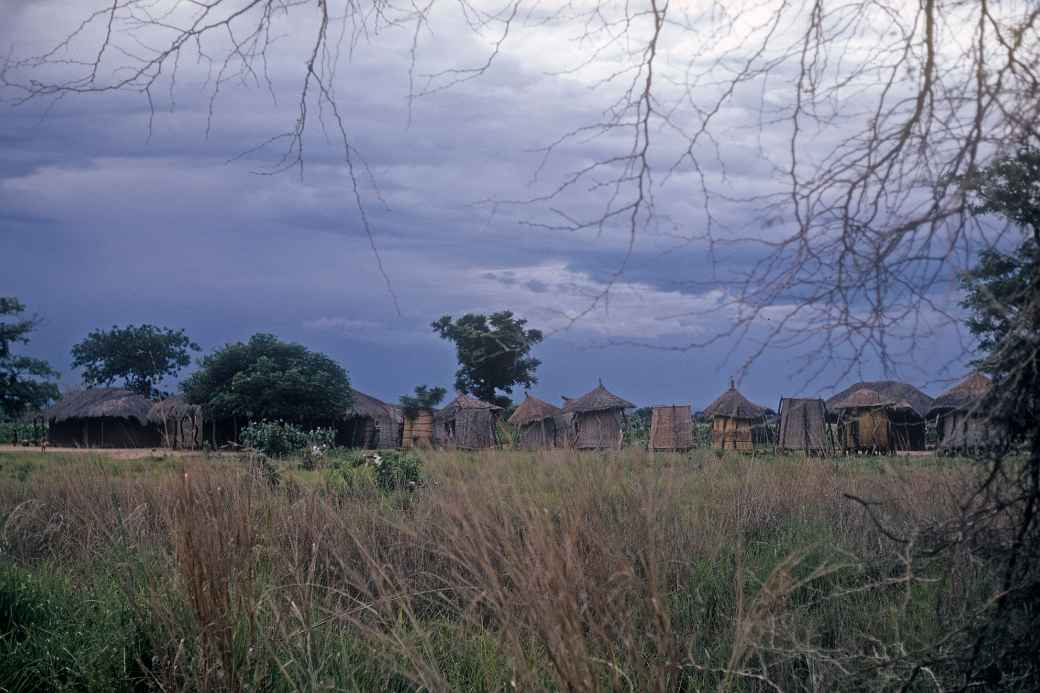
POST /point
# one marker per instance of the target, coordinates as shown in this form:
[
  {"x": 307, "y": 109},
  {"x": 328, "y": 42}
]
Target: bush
[
  {"x": 19, "y": 432},
  {"x": 398, "y": 470},
  {"x": 281, "y": 439}
]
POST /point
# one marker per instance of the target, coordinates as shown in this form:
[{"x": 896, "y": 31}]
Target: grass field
[{"x": 501, "y": 571}]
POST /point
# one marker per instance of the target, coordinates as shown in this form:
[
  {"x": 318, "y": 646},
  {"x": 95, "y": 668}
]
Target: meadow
[{"x": 499, "y": 571}]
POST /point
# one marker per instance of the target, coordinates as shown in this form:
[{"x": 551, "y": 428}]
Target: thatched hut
[
  {"x": 671, "y": 428},
  {"x": 961, "y": 422},
  {"x": 890, "y": 390},
  {"x": 870, "y": 422},
  {"x": 803, "y": 426},
  {"x": 537, "y": 423},
  {"x": 369, "y": 423},
  {"x": 466, "y": 422},
  {"x": 102, "y": 418},
  {"x": 180, "y": 424},
  {"x": 597, "y": 420},
  {"x": 736, "y": 422}
]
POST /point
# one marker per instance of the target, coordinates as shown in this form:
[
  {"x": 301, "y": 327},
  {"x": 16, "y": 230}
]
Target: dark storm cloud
[{"x": 104, "y": 221}]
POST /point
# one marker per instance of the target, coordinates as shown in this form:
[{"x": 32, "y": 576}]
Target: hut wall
[
  {"x": 671, "y": 428},
  {"x": 906, "y": 432},
  {"x": 474, "y": 429},
  {"x": 357, "y": 432},
  {"x": 538, "y": 434},
  {"x": 732, "y": 434},
  {"x": 565, "y": 434},
  {"x": 104, "y": 432},
  {"x": 803, "y": 426},
  {"x": 599, "y": 430},
  {"x": 418, "y": 431},
  {"x": 962, "y": 431}
]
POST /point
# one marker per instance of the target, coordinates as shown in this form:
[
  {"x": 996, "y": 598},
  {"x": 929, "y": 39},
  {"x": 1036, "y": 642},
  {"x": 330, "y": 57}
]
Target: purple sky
[{"x": 102, "y": 222}]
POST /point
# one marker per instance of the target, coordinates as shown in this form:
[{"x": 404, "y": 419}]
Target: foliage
[
  {"x": 266, "y": 378},
  {"x": 425, "y": 399},
  {"x": 24, "y": 381},
  {"x": 637, "y": 428},
  {"x": 493, "y": 353},
  {"x": 140, "y": 355},
  {"x": 282, "y": 439},
  {"x": 398, "y": 469},
  {"x": 55, "y": 637},
  {"x": 1003, "y": 295},
  {"x": 21, "y": 431}
]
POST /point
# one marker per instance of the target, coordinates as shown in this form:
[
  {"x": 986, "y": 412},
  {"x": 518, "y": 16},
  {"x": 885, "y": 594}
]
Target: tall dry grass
[{"x": 511, "y": 571}]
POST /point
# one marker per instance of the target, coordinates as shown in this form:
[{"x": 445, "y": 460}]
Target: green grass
[{"x": 502, "y": 571}]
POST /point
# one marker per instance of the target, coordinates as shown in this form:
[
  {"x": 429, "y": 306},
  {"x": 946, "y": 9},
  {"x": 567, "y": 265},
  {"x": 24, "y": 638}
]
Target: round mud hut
[
  {"x": 180, "y": 424},
  {"x": 868, "y": 421},
  {"x": 467, "y": 423},
  {"x": 671, "y": 428},
  {"x": 597, "y": 420},
  {"x": 536, "y": 421},
  {"x": 102, "y": 418},
  {"x": 736, "y": 422},
  {"x": 962, "y": 423},
  {"x": 370, "y": 423}
]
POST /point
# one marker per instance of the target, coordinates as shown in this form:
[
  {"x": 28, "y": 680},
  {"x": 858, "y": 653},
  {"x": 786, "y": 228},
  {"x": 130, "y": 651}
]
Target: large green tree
[
  {"x": 266, "y": 378},
  {"x": 24, "y": 381},
  {"x": 494, "y": 353},
  {"x": 1003, "y": 295},
  {"x": 139, "y": 355}
]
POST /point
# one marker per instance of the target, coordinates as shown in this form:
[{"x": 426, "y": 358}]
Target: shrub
[
  {"x": 21, "y": 432},
  {"x": 281, "y": 439},
  {"x": 398, "y": 470}
]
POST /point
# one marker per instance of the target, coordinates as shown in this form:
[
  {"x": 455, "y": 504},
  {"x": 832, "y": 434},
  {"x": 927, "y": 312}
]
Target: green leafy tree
[
  {"x": 24, "y": 381},
  {"x": 266, "y": 378},
  {"x": 494, "y": 353},
  {"x": 425, "y": 398},
  {"x": 1003, "y": 295},
  {"x": 139, "y": 355}
]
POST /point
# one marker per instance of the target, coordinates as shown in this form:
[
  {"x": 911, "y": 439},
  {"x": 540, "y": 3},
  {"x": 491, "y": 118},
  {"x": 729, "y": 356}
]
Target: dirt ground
[{"x": 113, "y": 453}]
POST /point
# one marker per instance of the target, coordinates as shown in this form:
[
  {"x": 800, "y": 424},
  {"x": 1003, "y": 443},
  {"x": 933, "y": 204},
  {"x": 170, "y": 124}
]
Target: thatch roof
[
  {"x": 869, "y": 399},
  {"x": 463, "y": 401},
  {"x": 599, "y": 399},
  {"x": 964, "y": 395},
  {"x": 531, "y": 410},
  {"x": 363, "y": 405},
  {"x": 173, "y": 408},
  {"x": 100, "y": 402},
  {"x": 889, "y": 391},
  {"x": 733, "y": 405}
]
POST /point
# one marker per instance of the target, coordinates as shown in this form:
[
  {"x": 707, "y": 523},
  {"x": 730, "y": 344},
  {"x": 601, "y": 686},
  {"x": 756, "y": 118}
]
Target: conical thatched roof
[
  {"x": 531, "y": 410},
  {"x": 964, "y": 395},
  {"x": 99, "y": 402},
  {"x": 599, "y": 399},
  {"x": 363, "y": 405},
  {"x": 172, "y": 408},
  {"x": 891, "y": 391},
  {"x": 733, "y": 405},
  {"x": 463, "y": 401}
]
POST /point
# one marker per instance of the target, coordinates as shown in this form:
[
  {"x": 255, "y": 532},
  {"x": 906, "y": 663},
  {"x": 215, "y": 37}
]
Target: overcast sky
[{"x": 105, "y": 220}]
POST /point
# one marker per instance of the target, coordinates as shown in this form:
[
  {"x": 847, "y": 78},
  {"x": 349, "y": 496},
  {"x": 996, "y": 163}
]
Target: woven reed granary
[
  {"x": 962, "y": 421},
  {"x": 671, "y": 428},
  {"x": 871, "y": 422},
  {"x": 803, "y": 426},
  {"x": 369, "y": 423},
  {"x": 466, "y": 422},
  {"x": 736, "y": 422},
  {"x": 597, "y": 420},
  {"x": 536, "y": 421}
]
